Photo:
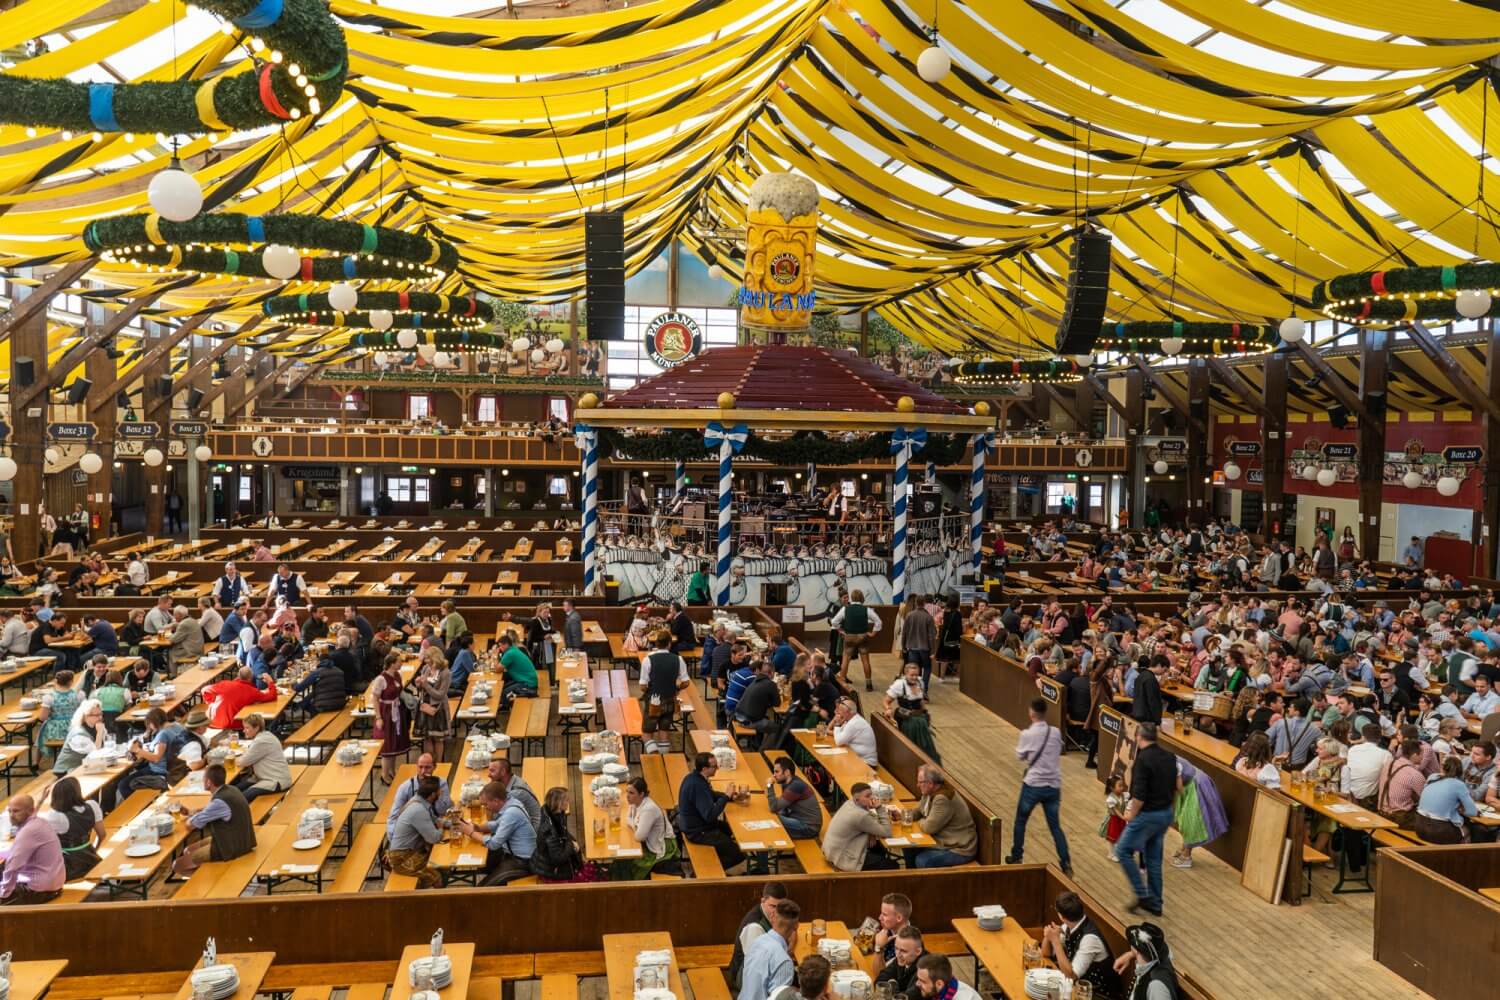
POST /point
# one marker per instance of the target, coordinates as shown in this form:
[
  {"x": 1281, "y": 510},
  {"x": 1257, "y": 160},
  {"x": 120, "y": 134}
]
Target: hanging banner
[
  {"x": 137, "y": 430},
  {"x": 72, "y": 432}
]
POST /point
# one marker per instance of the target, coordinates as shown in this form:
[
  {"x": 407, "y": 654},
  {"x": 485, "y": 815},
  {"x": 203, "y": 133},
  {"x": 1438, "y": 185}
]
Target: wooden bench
[
  {"x": 366, "y": 991},
  {"x": 312, "y": 993},
  {"x": 404, "y": 773},
  {"x": 354, "y": 870},
  {"x": 578, "y": 964},
  {"x": 707, "y": 983},
  {"x": 518, "y": 723},
  {"x": 229, "y": 879},
  {"x": 704, "y": 859},
  {"x": 559, "y": 986},
  {"x": 486, "y": 988},
  {"x": 704, "y": 956},
  {"x": 396, "y": 882}
]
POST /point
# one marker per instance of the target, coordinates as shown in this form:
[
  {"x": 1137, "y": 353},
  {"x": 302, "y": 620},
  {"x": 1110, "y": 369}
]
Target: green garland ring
[
  {"x": 307, "y": 64},
  {"x": 206, "y": 244},
  {"x": 463, "y": 341},
  {"x": 1199, "y": 340},
  {"x": 1052, "y": 371},
  {"x": 1403, "y": 294},
  {"x": 409, "y": 310}
]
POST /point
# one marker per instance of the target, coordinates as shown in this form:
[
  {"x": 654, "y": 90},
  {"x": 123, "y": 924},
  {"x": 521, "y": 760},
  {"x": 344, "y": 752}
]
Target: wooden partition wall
[
  {"x": 162, "y": 936},
  {"x": 902, "y": 757},
  {"x": 1432, "y": 927},
  {"x": 1004, "y": 686}
]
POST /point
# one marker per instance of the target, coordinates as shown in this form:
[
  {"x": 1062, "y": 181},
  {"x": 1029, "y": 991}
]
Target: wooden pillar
[
  {"x": 156, "y": 407},
  {"x": 1135, "y": 405},
  {"x": 1374, "y": 363},
  {"x": 1085, "y": 400},
  {"x": 1197, "y": 440},
  {"x": 234, "y": 395},
  {"x": 28, "y": 428},
  {"x": 1273, "y": 449},
  {"x": 101, "y": 370},
  {"x": 864, "y": 334},
  {"x": 1488, "y": 529}
]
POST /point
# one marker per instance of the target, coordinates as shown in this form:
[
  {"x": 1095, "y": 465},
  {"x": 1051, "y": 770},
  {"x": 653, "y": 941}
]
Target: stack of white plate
[
  {"x": 4, "y": 989},
  {"x": 440, "y": 968},
  {"x": 219, "y": 981},
  {"x": 1041, "y": 982}
]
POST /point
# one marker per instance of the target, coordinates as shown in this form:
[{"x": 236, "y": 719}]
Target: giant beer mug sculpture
[{"x": 781, "y": 231}]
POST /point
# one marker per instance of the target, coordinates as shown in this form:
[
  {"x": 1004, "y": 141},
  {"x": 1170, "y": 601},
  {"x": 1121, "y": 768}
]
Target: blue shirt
[
  {"x": 404, "y": 795},
  {"x": 1129, "y": 683},
  {"x": 738, "y": 681},
  {"x": 1482, "y": 706},
  {"x": 229, "y": 632},
  {"x": 767, "y": 967},
  {"x": 217, "y": 811},
  {"x": 102, "y": 635},
  {"x": 513, "y": 832},
  {"x": 462, "y": 664},
  {"x": 784, "y": 658},
  {"x": 1446, "y": 798},
  {"x": 260, "y": 666}
]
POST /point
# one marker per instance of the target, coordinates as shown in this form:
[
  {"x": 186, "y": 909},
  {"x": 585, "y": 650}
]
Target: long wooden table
[
  {"x": 29, "y": 980},
  {"x": 187, "y": 685},
  {"x": 847, "y": 769},
  {"x": 285, "y": 863},
  {"x": 998, "y": 951},
  {"x": 459, "y": 953},
  {"x": 619, "y": 961},
  {"x": 252, "y": 965},
  {"x": 617, "y": 842}
]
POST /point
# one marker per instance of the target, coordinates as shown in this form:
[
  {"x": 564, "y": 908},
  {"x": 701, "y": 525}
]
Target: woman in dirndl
[
  {"x": 392, "y": 719},
  {"x": 1199, "y": 813}
]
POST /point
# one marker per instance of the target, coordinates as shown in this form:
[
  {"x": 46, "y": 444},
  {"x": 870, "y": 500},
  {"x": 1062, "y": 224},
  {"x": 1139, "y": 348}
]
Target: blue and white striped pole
[
  {"x": 983, "y": 444},
  {"x": 903, "y": 442},
  {"x": 587, "y": 439},
  {"x": 681, "y": 479},
  {"x": 931, "y": 471},
  {"x": 728, "y": 440},
  {"x": 812, "y": 478}
]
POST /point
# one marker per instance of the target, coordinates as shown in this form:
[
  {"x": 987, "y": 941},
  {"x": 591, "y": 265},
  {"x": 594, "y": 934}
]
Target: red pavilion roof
[{"x": 780, "y": 377}]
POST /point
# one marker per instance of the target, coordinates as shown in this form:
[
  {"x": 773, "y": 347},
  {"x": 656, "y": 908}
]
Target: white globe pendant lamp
[
  {"x": 153, "y": 457},
  {"x": 381, "y": 319},
  {"x": 203, "y": 453},
  {"x": 406, "y": 339},
  {"x": 51, "y": 455},
  {"x": 1309, "y": 472},
  {"x": 934, "y": 63},
  {"x": 1231, "y": 471},
  {"x": 343, "y": 297},
  {"x": 1472, "y": 303},
  {"x": 90, "y": 463},
  {"x": 716, "y": 272},
  {"x": 1447, "y": 486},
  {"x": 426, "y": 351},
  {"x": 1412, "y": 480},
  {"x": 379, "y": 358},
  {"x": 441, "y": 360},
  {"x": 280, "y": 262},
  {"x": 175, "y": 194},
  {"x": 1160, "y": 468},
  {"x": 1292, "y": 330},
  {"x": 555, "y": 345},
  {"x": 7, "y": 468},
  {"x": 1172, "y": 346},
  {"x": 1327, "y": 477}
]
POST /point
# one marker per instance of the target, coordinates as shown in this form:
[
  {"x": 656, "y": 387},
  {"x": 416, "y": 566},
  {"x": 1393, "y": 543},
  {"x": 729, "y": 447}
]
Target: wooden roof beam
[
  {"x": 1241, "y": 388},
  {"x": 1465, "y": 386},
  {"x": 39, "y": 298},
  {"x": 1340, "y": 389}
]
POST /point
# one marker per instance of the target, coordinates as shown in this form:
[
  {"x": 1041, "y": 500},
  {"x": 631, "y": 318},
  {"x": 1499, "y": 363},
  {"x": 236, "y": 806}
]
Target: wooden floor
[{"x": 1236, "y": 944}]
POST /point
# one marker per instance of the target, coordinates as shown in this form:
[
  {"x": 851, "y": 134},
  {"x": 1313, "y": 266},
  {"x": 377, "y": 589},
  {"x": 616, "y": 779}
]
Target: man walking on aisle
[
  {"x": 1040, "y": 746},
  {"x": 1153, "y": 788}
]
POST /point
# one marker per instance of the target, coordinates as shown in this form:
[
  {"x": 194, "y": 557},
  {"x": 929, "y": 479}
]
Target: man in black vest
[
  {"x": 663, "y": 674},
  {"x": 227, "y": 828},
  {"x": 755, "y": 923},
  {"x": 230, "y": 587},
  {"x": 287, "y": 584},
  {"x": 1079, "y": 949}
]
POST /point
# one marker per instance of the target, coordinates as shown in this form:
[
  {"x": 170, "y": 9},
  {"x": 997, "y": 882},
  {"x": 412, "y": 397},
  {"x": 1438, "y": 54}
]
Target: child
[{"x": 1115, "y": 799}]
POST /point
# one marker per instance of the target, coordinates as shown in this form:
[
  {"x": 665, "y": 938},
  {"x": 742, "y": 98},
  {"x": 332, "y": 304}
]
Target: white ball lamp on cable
[
  {"x": 716, "y": 272},
  {"x": 1309, "y": 472},
  {"x": 1172, "y": 346},
  {"x": 441, "y": 360},
  {"x": 380, "y": 359},
  {"x": 343, "y": 297},
  {"x": 203, "y": 453},
  {"x": 1160, "y": 468},
  {"x": 7, "y": 468},
  {"x": 175, "y": 194},
  {"x": 1472, "y": 303},
  {"x": 1231, "y": 471},
  {"x": 153, "y": 457},
  {"x": 1447, "y": 486},
  {"x": 1327, "y": 477},
  {"x": 1292, "y": 330},
  {"x": 406, "y": 339},
  {"x": 280, "y": 262},
  {"x": 1412, "y": 480},
  {"x": 381, "y": 319},
  {"x": 555, "y": 345},
  {"x": 934, "y": 62},
  {"x": 51, "y": 455},
  {"x": 90, "y": 463}
]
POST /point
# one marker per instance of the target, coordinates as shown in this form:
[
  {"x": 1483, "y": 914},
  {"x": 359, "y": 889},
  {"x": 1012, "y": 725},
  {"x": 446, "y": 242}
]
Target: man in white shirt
[
  {"x": 250, "y": 636},
  {"x": 1076, "y": 946},
  {"x": 851, "y": 730},
  {"x": 210, "y": 619},
  {"x": 856, "y": 623},
  {"x": 160, "y": 618},
  {"x": 1484, "y": 700},
  {"x": 15, "y": 637},
  {"x": 136, "y": 573},
  {"x": 1366, "y": 760}
]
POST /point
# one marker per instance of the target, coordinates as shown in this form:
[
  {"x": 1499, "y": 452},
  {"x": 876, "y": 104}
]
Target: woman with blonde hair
[{"x": 86, "y": 733}]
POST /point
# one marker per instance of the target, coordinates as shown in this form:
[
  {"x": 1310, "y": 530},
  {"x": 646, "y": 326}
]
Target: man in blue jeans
[
  {"x": 1153, "y": 787},
  {"x": 1040, "y": 746}
]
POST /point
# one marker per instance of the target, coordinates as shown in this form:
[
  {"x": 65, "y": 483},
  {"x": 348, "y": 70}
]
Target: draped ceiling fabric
[{"x": 1231, "y": 182}]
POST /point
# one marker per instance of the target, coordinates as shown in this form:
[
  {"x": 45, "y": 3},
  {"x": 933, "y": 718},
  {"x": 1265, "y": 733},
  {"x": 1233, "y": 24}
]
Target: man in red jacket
[{"x": 227, "y": 698}]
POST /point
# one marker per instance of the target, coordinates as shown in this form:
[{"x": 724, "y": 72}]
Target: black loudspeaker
[
  {"x": 78, "y": 391},
  {"x": 1169, "y": 421},
  {"x": 927, "y": 502},
  {"x": 1088, "y": 293},
  {"x": 1338, "y": 418},
  {"x": 164, "y": 386},
  {"x": 1375, "y": 406},
  {"x": 122, "y": 399},
  {"x": 194, "y": 397},
  {"x": 604, "y": 271},
  {"x": 221, "y": 370},
  {"x": 25, "y": 371}
]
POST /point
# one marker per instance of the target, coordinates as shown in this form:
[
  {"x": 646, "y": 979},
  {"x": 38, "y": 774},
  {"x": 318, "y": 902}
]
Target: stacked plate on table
[
  {"x": 1041, "y": 982},
  {"x": 4, "y": 989},
  {"x": 218, "y": 982},
  {"x": 439, "y": 968}
]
